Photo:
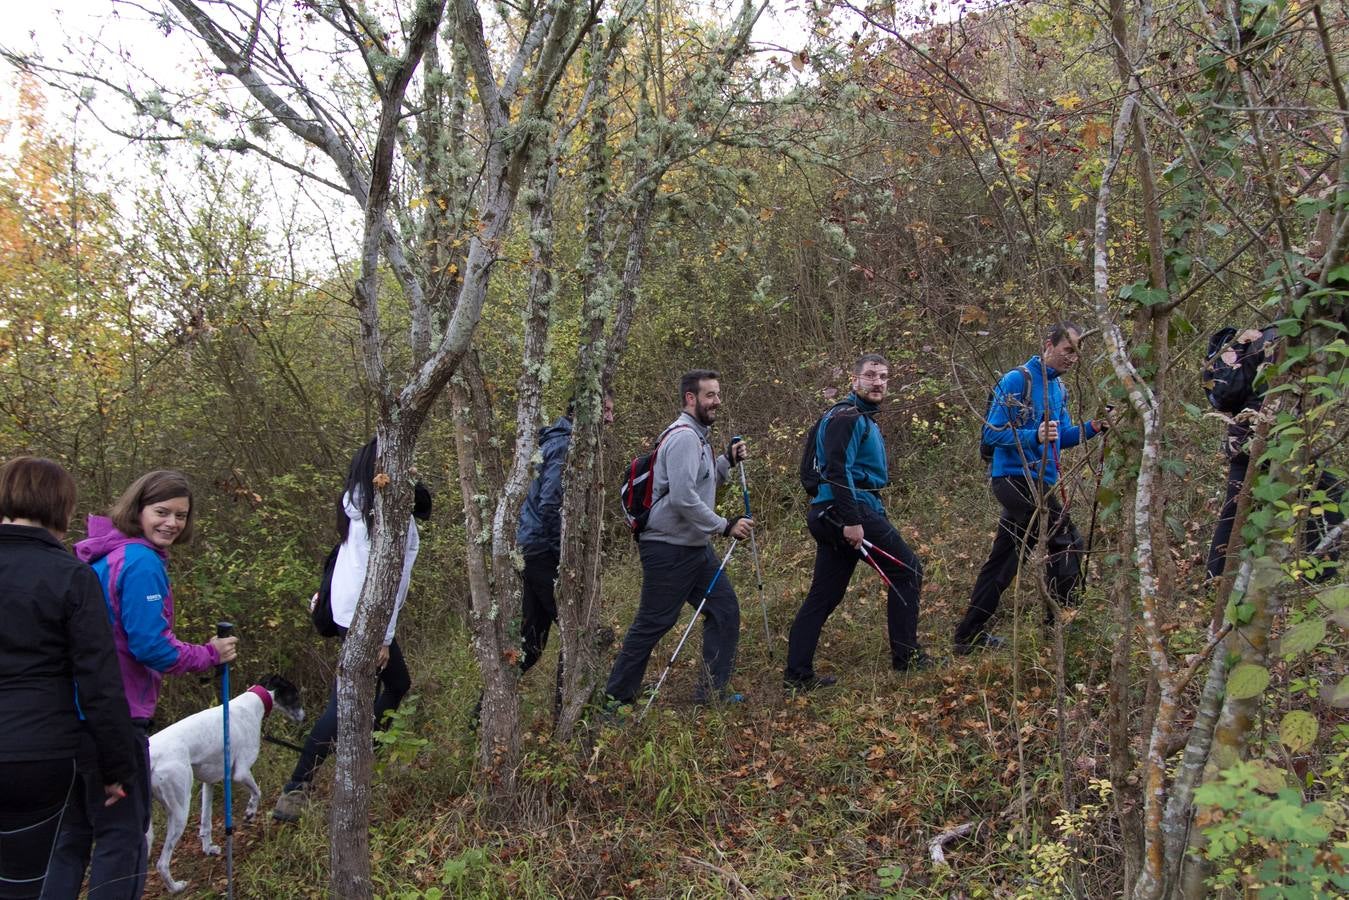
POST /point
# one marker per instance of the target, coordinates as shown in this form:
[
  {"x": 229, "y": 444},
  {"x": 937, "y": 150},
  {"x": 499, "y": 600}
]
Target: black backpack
[
  {"x": 810, "y": 465},
  {"x": 985, "y": 448},
  {"x": 635, "y": 492},
  {"x": 321, "y": 608}
]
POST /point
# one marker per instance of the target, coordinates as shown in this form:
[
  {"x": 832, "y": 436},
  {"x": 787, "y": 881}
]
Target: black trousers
[
  {"x": 673, "y": 575},
  {"x": 394, "y": 683},
  {"x": 538, "y": 606},
  {"x": 108, "y": 840},
  {"x": 1018, "y": 532},
  {"x": 32, "y": 803},
  {"x": 1318, "y": 527},
  {"x": 835, "y": 560}
]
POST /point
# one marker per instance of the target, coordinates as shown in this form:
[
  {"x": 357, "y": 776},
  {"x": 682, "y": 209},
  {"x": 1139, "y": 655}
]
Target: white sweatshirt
[{"x": 352, "y": 561}]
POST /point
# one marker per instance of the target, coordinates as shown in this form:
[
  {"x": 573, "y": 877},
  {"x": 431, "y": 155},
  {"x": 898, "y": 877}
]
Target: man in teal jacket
[
  {"x": 846, "y": 508},
  {"x": 1027, "y": 427}
]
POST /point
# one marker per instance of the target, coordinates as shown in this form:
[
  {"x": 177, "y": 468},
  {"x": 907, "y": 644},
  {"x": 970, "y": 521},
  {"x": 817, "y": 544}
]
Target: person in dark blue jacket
[
  {"x": 539, "y": 536},
  {"x": 1027, "y": 429},
  {"x": 852, "y": 468}
]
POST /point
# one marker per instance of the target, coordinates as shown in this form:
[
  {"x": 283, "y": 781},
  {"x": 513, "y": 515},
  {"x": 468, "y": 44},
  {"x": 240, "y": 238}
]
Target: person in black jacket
[
  {"x": 1230, "y": 381},
  {"x": 58, "y": 665}
]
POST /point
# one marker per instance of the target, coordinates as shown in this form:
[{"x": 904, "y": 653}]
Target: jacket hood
[
  {"x": 104, "y": 538},
  {"x": 560, "y": 428},
  {"x": 865, "y": 406},
  {"x": 1037, "y": 363}
]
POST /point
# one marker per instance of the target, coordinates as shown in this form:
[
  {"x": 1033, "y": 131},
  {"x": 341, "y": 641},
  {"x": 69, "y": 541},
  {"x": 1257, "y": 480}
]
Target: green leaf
[
  {"x": 1298, "y": 730},
  {"x": 1335, "y": 598},
  {"x": 1302, "y": 637},
  {"x": 1246, "y": 681}
]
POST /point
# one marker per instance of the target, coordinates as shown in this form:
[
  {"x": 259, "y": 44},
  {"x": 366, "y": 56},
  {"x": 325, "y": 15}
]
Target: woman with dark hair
[
  {"x": 57, "y": 666},
  {"x": 355, "y": 524},
  {"x": 129, "y": 551}
]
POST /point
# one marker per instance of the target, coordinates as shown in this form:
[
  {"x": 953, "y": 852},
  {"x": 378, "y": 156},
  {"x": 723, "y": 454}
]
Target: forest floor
[{"x": 830, "y": 794}]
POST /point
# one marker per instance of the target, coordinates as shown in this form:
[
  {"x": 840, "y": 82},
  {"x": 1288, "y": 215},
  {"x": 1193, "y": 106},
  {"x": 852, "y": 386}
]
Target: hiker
[
  {"x": 355, "y": 523},
  {"x": 539, "y": 535},
  {"x": 678, "y": 564},
  {"x": 1230, "y": 375},
  {"x": 1028, "y": 424},
  {"x": 847, "y": 519}
]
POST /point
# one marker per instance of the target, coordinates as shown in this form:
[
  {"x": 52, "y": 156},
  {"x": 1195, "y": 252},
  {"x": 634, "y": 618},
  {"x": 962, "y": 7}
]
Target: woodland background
[{"x": 498, "y": 208}]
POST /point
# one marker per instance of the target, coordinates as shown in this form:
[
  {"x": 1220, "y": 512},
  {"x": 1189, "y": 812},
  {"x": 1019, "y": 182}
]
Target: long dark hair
[{"x": 361, "y": 488}]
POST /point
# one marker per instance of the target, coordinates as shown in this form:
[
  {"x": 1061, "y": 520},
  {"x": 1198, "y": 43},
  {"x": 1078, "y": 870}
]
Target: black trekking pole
[
  {"x": 1095, "y": 504},
  {"x": 687, "y": 631},
  {"x": 224, "y": 630},
  {"x": 754, "y": 549}
]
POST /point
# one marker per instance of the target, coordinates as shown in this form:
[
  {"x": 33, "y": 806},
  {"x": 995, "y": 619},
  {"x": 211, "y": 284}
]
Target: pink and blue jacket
[{"x": 140, "y": 610}]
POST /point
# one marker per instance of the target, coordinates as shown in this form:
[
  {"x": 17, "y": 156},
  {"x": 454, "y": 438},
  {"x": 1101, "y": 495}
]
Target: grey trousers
[{"x": 672, "y": 576}]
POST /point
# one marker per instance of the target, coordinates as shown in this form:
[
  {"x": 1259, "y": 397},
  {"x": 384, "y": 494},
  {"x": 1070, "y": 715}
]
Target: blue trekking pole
[
  {"x": 224, "y": 630},
  {"x": 754, "y": 549},
  {"x": 687, "y": 631}
]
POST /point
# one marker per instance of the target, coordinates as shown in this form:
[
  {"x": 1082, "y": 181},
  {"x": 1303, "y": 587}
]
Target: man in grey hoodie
[{"x": 677, "y": 559}]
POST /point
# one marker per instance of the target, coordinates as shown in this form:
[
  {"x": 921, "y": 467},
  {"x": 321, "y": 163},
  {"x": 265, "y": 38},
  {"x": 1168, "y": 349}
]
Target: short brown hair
[
  {"x": 152, "y": 487},
  {"x": 874, "y": 358},
  {"x": 37, "y": 489},
  {"x": 1055, "y": 333},
  {"x": 692, "y": 382}
]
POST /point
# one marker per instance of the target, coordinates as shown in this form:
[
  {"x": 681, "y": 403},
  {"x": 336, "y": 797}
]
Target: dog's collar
[{"x": 266, "y": 696}]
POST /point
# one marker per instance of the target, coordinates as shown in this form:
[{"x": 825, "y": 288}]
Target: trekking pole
[
  {"x": 1095, "y": 504},
  {"x": 224, "y": 630},
  {"x": 754, "y": 549},
  {"x": 862, "y": 549},
  {"x": 870, "y": 546},
  {"x": 687, "y": 631}
]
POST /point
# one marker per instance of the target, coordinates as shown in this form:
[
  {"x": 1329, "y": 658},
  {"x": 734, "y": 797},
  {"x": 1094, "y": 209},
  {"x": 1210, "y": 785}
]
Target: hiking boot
[
  {"x": 983, "y": 641},
  {"x": 290, "y": 805},
  {"x": 805, "y": 685},
  {"x": 917, "y": 661}
]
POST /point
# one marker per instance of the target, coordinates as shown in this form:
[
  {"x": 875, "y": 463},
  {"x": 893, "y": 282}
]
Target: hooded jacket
[
  {"x": 1232, "y": 389},
  {"x": 850, "y": 452},
  {"x": 136, "y": 589},
  {"x": 540, "y": 526},
  {"x": 57, "y": 662},
  {"x": 685, "y": 480},
  {"x": 353, "y": 558},
  {"x": 1013, "y": 431}
]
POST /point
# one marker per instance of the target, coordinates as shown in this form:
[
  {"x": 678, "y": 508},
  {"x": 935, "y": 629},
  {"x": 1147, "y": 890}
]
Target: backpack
[
  {"x": 810, "y": 464},
  {"x": 985, "y": 448},
  {"x": 634, "y": 493},
  {"x": 321, "y": 607}
]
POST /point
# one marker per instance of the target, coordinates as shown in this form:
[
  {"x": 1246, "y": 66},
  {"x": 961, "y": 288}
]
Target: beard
[{"x": 704, "y": 414}]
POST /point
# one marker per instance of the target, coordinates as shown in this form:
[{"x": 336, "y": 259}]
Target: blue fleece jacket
[
  {"x": 850, "y": 452},
  {"x": 1012, "y": 428}
]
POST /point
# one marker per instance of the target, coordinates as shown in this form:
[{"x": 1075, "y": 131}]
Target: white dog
[{"x": 193, "y": 747}]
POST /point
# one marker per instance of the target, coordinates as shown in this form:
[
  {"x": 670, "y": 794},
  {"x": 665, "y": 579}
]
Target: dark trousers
[
  {"x": 1018, "y": 532},
  {"x": 673, "y": 575},
  {"x": 394, "y": 683},
  {"x": 835, "y": 560},
  {"x": 35, "y": 795},
  {"x": 116, "y": 834},
  {"x": 1318, "y": 526},
  {"x": 538, "y": 608}
]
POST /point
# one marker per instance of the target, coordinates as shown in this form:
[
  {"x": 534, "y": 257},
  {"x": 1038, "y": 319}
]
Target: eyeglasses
[{"x": 875, "y": 376}]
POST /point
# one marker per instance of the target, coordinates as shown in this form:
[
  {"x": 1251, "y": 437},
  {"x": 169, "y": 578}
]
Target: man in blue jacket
[
  {"x": 1027, "y": 427},
  {"x": 539, "y": 536},
  {"x": 846, "y": 508}
]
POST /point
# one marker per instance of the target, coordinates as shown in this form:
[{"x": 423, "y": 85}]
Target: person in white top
[{"x": 355, "y": 518}]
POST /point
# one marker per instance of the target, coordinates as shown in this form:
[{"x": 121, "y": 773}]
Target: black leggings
[
  {"x": 31, "y": 807},
  {"x": 394, "y": 683}
]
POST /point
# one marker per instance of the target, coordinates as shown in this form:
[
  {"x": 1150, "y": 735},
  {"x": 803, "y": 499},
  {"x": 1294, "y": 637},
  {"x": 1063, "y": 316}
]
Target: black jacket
[
  {"x": 1232, "y": 389},
  {"x": 57, "y": 659}
]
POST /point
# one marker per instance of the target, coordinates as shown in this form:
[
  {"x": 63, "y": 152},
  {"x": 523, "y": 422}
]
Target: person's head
[
  {"x": 871, "y": 377},
  {"x": 700, "y": 392},
  {"x": 37, "y": 490},
  {"x": 608, "y": 408},
  {"x": 1062, "y": 340},
  {"x": 359, "y": 486},
  {"x": 157, "y": 507}
]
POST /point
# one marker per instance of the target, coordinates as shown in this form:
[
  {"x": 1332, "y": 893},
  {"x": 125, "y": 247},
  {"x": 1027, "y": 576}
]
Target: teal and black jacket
[
  {"x": 850, "y": 452},
  {"x": 1014, "y": 419}
]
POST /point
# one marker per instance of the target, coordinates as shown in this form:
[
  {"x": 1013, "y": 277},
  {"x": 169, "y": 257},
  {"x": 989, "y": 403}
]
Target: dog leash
[{"x": 280, "y": 743}]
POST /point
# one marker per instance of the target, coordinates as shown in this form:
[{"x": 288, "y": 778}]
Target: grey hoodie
[{"x": 686, "y": 479}]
